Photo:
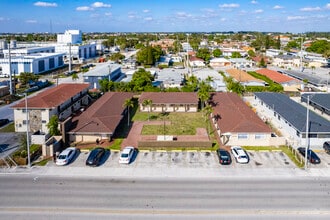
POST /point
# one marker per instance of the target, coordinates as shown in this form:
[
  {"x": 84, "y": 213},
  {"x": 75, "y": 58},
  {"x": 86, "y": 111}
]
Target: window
[
  {"x": 243, "y": 136},
  {"x": 44, "y": 121},
  {"x": 260, "y": 136}
]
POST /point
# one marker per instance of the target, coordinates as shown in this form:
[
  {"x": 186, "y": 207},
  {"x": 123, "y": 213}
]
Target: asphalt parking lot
[{"x": 196, "y": 159}]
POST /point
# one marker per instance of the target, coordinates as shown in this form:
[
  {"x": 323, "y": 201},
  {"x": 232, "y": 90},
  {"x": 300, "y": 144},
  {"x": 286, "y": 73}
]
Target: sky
[{"x": 56, "y": 16}]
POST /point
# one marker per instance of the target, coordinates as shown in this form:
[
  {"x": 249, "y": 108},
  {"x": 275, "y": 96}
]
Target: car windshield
[
  {"x": 124, "y": 155},
  {"x": 243, "y": 156},
  {"x": 224, "y": 156},
  {"x": 62, "y": 157}
]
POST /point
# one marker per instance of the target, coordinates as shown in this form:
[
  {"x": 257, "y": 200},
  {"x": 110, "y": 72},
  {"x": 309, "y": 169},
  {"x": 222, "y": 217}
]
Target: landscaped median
[{"x": 288, "y": 150}]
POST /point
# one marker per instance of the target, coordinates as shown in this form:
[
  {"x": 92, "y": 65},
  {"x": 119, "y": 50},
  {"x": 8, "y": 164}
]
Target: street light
[{"x": 27, "y": 132}]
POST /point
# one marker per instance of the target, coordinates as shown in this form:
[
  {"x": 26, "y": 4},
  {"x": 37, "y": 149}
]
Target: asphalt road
[{"x": 32, "y": 197}]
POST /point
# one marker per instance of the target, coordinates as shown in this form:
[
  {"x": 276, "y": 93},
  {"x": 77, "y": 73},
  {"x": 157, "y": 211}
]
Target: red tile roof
[
  {"x": 275, "y": 76},
  {"x": 170, "y": 97},
  {"x": 53, "y": 97},
  {"x": 235, "y": 116},
  {"x": 103, "y": 116}
]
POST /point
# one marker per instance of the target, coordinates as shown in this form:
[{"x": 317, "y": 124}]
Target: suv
[
  {"x": 239, "y": 154},
  {"x": 326, "y": 147}
]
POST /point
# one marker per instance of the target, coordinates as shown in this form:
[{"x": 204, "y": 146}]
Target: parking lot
[{"x": 196, "y": 159}]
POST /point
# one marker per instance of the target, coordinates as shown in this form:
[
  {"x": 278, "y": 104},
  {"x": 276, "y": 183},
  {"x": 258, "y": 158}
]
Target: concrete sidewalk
[{"x": 165, "y": 172}]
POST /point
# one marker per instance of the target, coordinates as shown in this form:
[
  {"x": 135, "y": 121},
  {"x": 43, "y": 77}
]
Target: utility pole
[
  {"x": 307, "y": 130},
  {"x": 69, "y": 57},
  {"x": 27, "y": 132},
  {"x": 10, "y": 79}
]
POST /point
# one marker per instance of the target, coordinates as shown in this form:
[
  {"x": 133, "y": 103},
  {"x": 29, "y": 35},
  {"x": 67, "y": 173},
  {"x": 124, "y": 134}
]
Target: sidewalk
[{"x": 165, "y": 172}]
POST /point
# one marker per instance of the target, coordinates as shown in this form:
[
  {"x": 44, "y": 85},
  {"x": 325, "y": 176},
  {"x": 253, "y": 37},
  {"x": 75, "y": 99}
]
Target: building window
[
  {"x": 41, "y": 65},
  {"x": 243, "y": 136},
  {"x": 44, "y": 121},
  {"x": 260, "y": 136}
]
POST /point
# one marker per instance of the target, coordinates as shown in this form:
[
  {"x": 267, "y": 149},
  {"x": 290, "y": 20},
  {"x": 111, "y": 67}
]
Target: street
[{"x": 44, "y": 197}]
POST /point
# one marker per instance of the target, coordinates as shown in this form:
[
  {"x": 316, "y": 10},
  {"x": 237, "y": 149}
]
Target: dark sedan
[
  {"x": 224, "y": 156},
  {"x": 311, "y": 155},
  {"x": 95, "y": 156}
]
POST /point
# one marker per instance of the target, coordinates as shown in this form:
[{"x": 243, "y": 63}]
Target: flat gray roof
[
  {"x": 102, "y": 69},
  {"x": 294, "y": 113},
  {"x": 312, "y": 78}
]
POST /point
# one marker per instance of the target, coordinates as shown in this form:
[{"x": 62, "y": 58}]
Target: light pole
[
  {"x": 27, "y": 132},
  {"x": 307, "y": 130}
]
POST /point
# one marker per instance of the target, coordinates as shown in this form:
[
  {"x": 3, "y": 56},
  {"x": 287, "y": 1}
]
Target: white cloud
[
  {"x": 310, "y": 9},
  {"x": 232, "y": 5},
  {"x": 84, "y": 8},
  {"x": 258, "y": 11},
  {"x": 109, "y": 14},
  {"x": 254, "y": 2},
  {"x": 100, "y": 5},
  {"x": 45, "y": 4},
  {"x": 148, "y": 19},
  {"x": 327, "y": 6},
  {"x": 31, "y": 21},
  {"x": 292, "y": 18},
  {"x": 182, "y": 15},
  {"x": 277, "y": 7},
  {"x": 146, "y": 10}
]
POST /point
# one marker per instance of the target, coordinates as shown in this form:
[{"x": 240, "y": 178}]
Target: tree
[
  {"x": 117, "y": 57},
  {"x": 104, "y": 85},
  {"x": 235, "y": 54},
  {"x": 262, "y": 62},
  {"x": 278, "y": 43},
  {"x": 147, "y": 102},
  {"x": 204, "y": 54},
  {"x": 207, "y": 112},
  {"x": 25, "y": 77},
  {"x": 217, "y": 52},
  {"x": 251, "y": 53},
  {"x": 141, "y": 80},
  {"x": 128, "y": 104},
  {"x": 53, "y": 126},
  {"x": 203, "y": 93},
  {"x": 75, "y": 76}
]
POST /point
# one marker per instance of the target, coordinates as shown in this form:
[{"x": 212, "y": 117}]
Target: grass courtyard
[{"x": 175, "y": 123}]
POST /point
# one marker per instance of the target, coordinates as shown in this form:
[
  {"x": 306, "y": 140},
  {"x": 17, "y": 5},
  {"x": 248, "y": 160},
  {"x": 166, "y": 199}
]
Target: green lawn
[
  {"x": 180, "y": 123},
  {"x": 8, "y": 128}
]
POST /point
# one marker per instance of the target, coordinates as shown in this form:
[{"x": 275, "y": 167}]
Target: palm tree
[
  {"x": 74, "y": 76},
  {"x": 147, "y": 102},
  {"x": 203, "y": 93},
  {"x": 127, "y": 104},
  {"x": 207, "y": 111}
]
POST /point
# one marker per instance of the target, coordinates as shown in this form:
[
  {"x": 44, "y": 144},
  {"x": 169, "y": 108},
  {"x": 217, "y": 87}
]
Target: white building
[
  {"x": 36, "y": 60},
  {"x": 70, "y": 37}
]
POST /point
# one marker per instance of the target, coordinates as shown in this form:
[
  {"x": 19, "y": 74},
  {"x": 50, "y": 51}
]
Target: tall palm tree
[
  {"x": 127, "y": 104},
  {"x": 207, "y": 111},
  {"x": 147, "y": 102}
]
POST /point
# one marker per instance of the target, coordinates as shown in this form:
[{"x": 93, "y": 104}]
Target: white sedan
[
  {"x": 239, "y": 154},
  {"x": 66, "y": 156},
  {"x": 126, "y": 155}
]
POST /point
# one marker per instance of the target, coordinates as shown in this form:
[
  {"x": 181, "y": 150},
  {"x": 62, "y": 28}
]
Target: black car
[
  {"x": 311, "y": 155},
  {"x": 224, "y": 156},
  {"x": 95, "y": 156},
  {"x": 326, "y": 147}
]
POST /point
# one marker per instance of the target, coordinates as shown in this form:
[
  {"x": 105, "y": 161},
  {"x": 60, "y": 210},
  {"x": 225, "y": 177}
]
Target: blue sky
[{"x": 164, "y": 15}]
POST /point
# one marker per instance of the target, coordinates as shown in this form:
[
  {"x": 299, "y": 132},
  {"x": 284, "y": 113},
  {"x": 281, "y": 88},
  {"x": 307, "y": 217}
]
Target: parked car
[
  {"x": 95, "y": 156},
  {"x": 239, "y": 154},
  {"x": 4, "y": 121},
  {"x": 224, "y": 156},
  {"x": 311, "y": 155},
  {"x": 326, "y": 147},
  {"x": 126, "y": 155},
  {"x": 66, "y": 156}
]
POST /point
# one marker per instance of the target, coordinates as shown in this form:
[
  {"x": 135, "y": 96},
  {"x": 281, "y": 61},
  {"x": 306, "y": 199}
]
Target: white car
[
  {"x": 239, "y": 154},
  {"x": 126, "y": 155},
  {"x": 66, "y": 156}
]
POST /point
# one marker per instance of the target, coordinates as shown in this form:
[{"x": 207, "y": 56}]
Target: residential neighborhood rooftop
[
  {"x": 275, "y": 76},
  {"x": 53, "y": 97},
  {"x": 170, "y": 97},
  {"x": 233, "y": 114},
  {"x": 294, "y": 113},
  {"x": 103, "y": 116}
]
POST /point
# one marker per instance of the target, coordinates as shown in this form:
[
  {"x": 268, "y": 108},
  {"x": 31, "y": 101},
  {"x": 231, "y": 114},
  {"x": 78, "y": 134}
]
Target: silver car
[{"x": 66, "y": 156}]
